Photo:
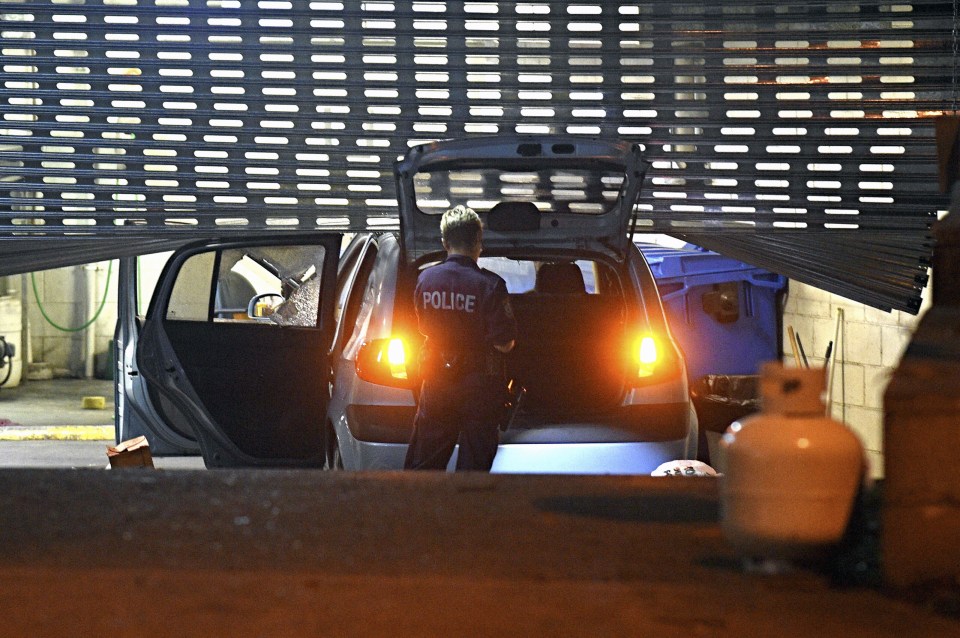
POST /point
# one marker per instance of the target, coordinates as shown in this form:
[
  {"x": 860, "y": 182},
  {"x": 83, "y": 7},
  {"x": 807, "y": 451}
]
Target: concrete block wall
[
  {"x": 63, "y": 295},
  {"x": 875, "y": 341}
]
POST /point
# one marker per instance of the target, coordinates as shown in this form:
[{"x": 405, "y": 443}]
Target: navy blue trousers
[{"x": 453, "y": 410}]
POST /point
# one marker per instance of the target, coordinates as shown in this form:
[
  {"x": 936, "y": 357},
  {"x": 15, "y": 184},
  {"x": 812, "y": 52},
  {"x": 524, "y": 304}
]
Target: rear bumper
[
  {"x": 587, "y": 458},
  {"x": 626, "y": 424},
  {"x": 616, "y": 445},
  {"x": 538, "y": 458}
]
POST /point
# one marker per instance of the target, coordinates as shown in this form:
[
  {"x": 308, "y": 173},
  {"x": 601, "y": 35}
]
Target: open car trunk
[{"x": 569, "y": 355}]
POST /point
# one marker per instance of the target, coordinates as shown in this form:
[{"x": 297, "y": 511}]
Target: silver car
[
  {"x": 606, "y": 389},
  {"x": 314, "y": 363}
]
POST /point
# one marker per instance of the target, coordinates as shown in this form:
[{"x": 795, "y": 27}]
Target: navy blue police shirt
[{"x": 462, "y": 307}]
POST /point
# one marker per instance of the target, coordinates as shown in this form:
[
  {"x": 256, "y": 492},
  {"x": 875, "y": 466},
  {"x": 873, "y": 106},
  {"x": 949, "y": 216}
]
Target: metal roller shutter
[{"x": 784, "y": 134}]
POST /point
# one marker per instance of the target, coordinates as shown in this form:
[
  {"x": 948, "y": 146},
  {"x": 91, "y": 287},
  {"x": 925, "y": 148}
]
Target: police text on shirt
[{"x": 444, "y": 300}]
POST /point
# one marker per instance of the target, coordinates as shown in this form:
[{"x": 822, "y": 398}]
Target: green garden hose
[{"x": 103, "y": 302}]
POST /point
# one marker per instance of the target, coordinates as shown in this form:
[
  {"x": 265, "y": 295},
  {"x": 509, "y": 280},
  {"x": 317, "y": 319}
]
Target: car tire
[
  {"x": 334, "y": 460},
  {"x": 693, "y": 444}
]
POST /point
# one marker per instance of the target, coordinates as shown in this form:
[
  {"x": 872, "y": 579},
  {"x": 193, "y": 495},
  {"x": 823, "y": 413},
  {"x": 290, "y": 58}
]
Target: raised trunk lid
[{"x": 555, "y": 193}]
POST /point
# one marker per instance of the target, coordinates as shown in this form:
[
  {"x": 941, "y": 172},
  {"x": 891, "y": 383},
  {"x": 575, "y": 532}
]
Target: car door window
[
  {"x": 190, "y": 298},
  {"x": 355, "y": 299},
  {"x": 363, "y": 298},
  {"x": 276, "y": 285},
  {"x": 345, "y": 270}
]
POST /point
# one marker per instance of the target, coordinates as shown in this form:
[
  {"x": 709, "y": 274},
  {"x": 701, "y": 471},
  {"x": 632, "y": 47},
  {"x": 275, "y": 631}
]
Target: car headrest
[
  {"x": 505, "y": 216},
  {"x": 560, "y": 278},
  {"x": 234, "y": 290}
]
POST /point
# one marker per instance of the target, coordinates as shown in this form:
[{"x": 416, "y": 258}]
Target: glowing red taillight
[
  {"x": 652, "y": 358},
  {"x": 646, "y": 354},
  {"x": 385, "y": 362}
]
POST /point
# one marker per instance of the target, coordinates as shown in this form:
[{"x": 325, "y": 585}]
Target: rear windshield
[
  {"x": 521, "y": 274},
  {"x": 555, "y": 190},
  {"x": 529, "y": 275}
]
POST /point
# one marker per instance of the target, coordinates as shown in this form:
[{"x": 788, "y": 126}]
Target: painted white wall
[
  {"x": 63, "y": 295},
  {"x": 874, "y": 343}
]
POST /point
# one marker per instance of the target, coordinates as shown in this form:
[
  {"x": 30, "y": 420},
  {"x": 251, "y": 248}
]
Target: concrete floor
[
  {"x": 308, "y": 553},
  {"x": 55, "y": 402},
  {"x": 305, "y": 553},
  {"x": 53, "y": 453},
  {"x": 43, "y": 424}
]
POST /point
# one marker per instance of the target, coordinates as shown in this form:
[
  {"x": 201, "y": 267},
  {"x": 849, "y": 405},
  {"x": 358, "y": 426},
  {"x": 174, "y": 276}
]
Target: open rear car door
[{"x": 235, "y": 348}]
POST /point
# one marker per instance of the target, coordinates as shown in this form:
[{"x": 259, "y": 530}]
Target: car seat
[
  {"x": 233, "y": 294},
  {"x": 559, "y": 279}
]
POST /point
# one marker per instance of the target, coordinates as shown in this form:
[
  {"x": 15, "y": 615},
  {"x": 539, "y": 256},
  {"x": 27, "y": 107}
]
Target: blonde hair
[{"x": 460, "y": 227}]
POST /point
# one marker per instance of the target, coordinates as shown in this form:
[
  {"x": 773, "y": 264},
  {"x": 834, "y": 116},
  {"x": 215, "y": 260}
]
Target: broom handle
[
  {"x": 833, "y": 362},
  {"x": 793, "y": 345}
]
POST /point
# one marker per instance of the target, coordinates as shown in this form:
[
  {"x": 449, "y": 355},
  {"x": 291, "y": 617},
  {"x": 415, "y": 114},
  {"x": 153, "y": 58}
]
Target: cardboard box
[{"x": 130, "y": 453}]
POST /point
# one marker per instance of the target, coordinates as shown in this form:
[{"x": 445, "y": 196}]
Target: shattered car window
[
  {"x": 275, "y": 285},
  {"x": 300, "y": 307}
]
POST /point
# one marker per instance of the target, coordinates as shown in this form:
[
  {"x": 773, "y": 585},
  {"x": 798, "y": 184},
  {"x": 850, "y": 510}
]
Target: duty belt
[{"x": 459, "y": 362}]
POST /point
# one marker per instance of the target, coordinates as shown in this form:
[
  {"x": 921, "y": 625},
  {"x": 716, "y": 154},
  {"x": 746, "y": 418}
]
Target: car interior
[{"x": 563, "y": 372}]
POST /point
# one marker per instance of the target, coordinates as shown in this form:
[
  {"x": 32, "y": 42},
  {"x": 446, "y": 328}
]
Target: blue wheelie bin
[{"x": 727, "y": 317}]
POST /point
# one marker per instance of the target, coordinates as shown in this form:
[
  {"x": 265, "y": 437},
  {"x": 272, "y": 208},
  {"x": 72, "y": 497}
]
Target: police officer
[{"x": 464, "y": 312}]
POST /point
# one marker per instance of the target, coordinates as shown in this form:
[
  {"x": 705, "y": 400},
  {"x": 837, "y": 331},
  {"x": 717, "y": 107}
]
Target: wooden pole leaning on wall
[{"x": 921, "y": 508}]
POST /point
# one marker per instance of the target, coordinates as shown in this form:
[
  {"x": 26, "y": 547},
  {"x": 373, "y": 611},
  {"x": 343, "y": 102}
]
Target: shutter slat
[{"x": 140, "y": 122}]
